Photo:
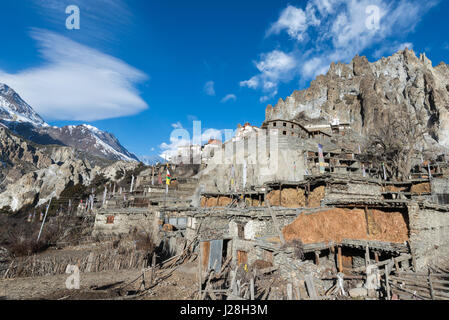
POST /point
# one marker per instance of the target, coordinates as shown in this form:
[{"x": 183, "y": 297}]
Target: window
[
  {"x": 284, "y": 133},
  {"x": 110, "y": 220},
  {"x": 285, "y": 124},
  {"x": 293, "y": 126},
  {"x": 274, "y": 124}
]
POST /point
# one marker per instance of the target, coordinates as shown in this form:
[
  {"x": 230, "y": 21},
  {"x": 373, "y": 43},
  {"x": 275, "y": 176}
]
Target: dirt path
[{"x": 181, "y": 285}]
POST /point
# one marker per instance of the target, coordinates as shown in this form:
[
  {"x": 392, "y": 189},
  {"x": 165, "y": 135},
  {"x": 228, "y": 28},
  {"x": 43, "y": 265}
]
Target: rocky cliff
[
  {"x": 30, "y": 174},
  {"x": 361, "y": 93}
]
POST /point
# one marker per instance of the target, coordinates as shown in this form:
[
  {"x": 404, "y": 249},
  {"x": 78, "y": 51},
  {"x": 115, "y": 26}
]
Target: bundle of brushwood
[{"x": 95, "y": 261}]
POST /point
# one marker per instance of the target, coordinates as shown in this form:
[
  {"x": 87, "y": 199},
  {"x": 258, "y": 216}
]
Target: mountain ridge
[{"x": 21, "y": 118}]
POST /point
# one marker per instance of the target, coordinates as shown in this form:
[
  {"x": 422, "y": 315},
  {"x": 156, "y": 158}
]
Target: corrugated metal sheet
[{"x": 216, "y": 253}]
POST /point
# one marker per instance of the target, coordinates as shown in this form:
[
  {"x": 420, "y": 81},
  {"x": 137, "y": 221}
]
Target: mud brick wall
[{"x": 429, "y": 235}]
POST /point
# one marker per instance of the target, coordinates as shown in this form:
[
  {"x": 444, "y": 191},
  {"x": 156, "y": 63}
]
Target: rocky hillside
[
  {"x": 30, "y": 174},
  {"x": 19, "y": 156},
  {"x": 361, "y": 93},
  {"x": 20, "y": 117}
]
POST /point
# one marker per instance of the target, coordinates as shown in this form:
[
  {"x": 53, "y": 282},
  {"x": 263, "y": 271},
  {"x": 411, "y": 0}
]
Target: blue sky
[{"x": 141, "y": 68}]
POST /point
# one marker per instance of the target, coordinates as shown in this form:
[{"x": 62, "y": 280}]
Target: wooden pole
[
  {"x": 317, "y": 258},
  {"x": 43, "y": 222},
  {"x": 432, "y": 294},
  {"x": 280, "y": 195},
  {"x": 252, "y": 288},
  {"x": 387, "y": 281},
  {"x": 340, "y": 261},
  {"x": 366, "y": 219},
  {"x": 200, "y": 280},
  {"x": 367, "y": 258},
  {"x": 376, "y": 256},
  {"x": 289, "y": 291}
]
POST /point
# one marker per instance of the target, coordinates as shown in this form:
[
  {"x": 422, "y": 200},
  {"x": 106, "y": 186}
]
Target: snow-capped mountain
[
  {"x": 20, "y": 118},
  {"x": 152, "y": 160},
  {"x": 14, "y": 109}
]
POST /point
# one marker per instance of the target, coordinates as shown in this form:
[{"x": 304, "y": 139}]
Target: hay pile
[
  {"x": 290, "y": 198},
  {"x": 338, "y": 224},
  {"x": 391, "y": 188},
  {"x": 420, "y": 188},
  {"x": 316, "y": 196},
  {"x": 224, "y": 201}
]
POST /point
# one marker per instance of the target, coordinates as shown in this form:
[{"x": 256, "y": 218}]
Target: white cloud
[
  {"x": 209, "y": 88},
  {"x": 77, "y": 82},
  {"x": 228, "y": 97},
  {"x": 293, "y": 20},
  {"x": 341, "y": 29},
  {"x": 252, "y": 83},
  {"x": 274, "y": 67},
  {"x": 170, "y": 150}
]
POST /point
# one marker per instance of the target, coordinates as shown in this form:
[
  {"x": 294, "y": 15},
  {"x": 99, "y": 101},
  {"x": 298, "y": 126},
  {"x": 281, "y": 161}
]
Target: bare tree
[{"x": 398, "y": 142}]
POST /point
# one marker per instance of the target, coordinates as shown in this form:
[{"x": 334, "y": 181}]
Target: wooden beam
[
  {"x": 280, "y": 195},
  {"x": 432, "y": 294},
  {"x": 367, "y": 220},
  {"x": 387, "y": 281},
  {"x": 367, "y": 258},
  {"x": 317, "y": 258},
  {"x": 340, "y": 260}
]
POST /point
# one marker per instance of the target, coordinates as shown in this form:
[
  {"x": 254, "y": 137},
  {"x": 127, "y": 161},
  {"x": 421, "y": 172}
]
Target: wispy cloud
[
  {"x": 340, "y": 29},
  {"x": 229, "y": 97},
  {"x": 101, "y": 20},
  {"x": 274, "y": 67},
  {"x": 209, "y": 88},
  {"x": 77, "y": 82}
]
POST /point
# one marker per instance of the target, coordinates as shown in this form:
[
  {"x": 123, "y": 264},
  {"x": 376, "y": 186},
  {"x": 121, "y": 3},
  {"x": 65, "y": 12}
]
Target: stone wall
[
  {"x": 124, "y": 222},
  {"x": 429, "y": 234},
  {"x": 353, "y": 190}
]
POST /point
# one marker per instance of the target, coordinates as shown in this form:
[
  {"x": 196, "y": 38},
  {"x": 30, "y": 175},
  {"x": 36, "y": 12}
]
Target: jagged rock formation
[
  {"x": 18, "y": 156},
  {"x": 30, "y": 174},
  {"x": 361, "y": 93},
  {"x": 37, "y": 187},
  {"x": 20, "y": 117}
]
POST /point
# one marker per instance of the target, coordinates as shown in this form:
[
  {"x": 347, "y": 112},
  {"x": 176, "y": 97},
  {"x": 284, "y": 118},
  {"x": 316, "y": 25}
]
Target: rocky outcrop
[
  {"x": 37, "y": 187},
  {"x": 361, "y": 93},
  {"x": 19, "y": 156},
  {"x": 31, "y": 173},
  {"x": 110, "y": 172}
]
